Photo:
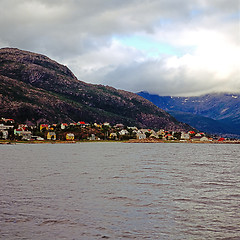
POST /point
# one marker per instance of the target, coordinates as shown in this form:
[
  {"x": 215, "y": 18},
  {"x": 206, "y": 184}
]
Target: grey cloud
[
  {"x": 152, "y": 76},
  {"x": 75, "y": 32},
  {"x": 42, "y": 21}
]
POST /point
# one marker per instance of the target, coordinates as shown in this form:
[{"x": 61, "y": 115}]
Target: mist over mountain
[
  {"x": 217, "y": 113},
  {"x": 37, "y": 89}
]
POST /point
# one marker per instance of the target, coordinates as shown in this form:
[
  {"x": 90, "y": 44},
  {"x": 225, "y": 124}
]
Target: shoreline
[
  {"x": 147, "y": 140},
  {"x": 152, "y": 140}
]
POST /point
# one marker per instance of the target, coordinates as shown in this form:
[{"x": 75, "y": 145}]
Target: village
[{"x": 81, "y": 131}]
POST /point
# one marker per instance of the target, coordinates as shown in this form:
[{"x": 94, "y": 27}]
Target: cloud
[{"x": 157, "y": 45}]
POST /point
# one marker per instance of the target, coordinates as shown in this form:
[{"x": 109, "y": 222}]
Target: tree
[
  {"x": 11, "y": 135},
  {"x": 148, "y": 134},
  {"x": 177, "y": 135},
  {"x": 160, "y": 136},
  {"x": 105, "y": 129}
]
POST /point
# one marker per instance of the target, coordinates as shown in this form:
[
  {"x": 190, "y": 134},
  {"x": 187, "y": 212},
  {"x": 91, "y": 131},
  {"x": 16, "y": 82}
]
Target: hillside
[
  {"x": 37, "y": 89},
  {"x": 214, "y": 113}
]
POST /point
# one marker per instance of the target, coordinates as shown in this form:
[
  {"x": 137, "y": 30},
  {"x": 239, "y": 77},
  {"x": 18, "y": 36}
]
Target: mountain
[
  {"x": 217, "y": 113},
  {"x": 37, "y": 89}
]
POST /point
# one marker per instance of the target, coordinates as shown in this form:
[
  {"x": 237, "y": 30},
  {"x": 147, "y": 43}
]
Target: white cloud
[
  {"x": 93, "y": 66},
  {"x": 198, "y": 41}
]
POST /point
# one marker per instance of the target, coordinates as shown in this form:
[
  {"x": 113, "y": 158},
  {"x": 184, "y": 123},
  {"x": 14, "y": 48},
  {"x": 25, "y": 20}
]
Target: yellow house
[
  {"x": 44, "y": 126},
  {"x": 113, "y": 136},
  {"x": 97, "y": 125},
  {"x": 69, "y": 136},
  {"x": 51, "y": 136}
]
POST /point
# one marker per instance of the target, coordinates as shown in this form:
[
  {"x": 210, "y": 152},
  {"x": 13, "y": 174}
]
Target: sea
[{"x": 108, "y": 190}]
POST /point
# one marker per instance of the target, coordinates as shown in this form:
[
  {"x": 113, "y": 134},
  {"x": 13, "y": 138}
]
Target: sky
[{"x": 164, "y": 47}]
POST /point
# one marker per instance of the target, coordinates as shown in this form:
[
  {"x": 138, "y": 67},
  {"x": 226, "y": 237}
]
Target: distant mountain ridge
[
  {"x": 217, "y": 113},
  {"x": 37, "y": 89}
]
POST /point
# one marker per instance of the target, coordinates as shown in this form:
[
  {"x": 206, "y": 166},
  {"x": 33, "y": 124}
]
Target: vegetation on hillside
[{"x": 37, "y": 89}]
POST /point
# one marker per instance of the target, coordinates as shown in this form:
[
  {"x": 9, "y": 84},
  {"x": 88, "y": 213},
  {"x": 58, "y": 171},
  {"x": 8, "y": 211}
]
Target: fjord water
[{"x": 120, "y": 191}]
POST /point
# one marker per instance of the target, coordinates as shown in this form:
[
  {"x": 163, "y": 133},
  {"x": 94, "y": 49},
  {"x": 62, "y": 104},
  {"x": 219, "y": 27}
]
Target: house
[
  {"x": 64, "y": 125},
  {"x": 185, "y": 136},
  {"x": 24, "y": 134},
  {"x": 81, "y": 123},
  {"x": 204, "y": 139},
  {"x": 132, "y": 128},
  {"x": 140, "y": 135},
  {"x": 8, "y": 120},
  {"x": 51, "y": 136},
  {"x": 161, "y": 132},
  {"x": 196, "y": 138},
  {"x": 119, "y": 126},
  {"x": 44, "y": 127},
  {"x": 4, "y": 134},
  {"x": 69, "y": 136},
  {"x": 153, "y": 134},
  {"x": 191, "y": 133},
  {"x": 123, "y": 132},
  {"x": 97, "y": 125},
  {"x": 199, "y": 138},
  {"x": 113, "y": 136},
  {"x": 5, "y": 127},
  {"x": 92, "y": 137},
  {"x": 169, "y": 137},
  {"x": 18, "y": 131}
]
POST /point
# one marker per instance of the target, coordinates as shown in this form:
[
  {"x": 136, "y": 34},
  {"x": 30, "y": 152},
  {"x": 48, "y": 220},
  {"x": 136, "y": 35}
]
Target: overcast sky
[{"x": 165, "y": 47}]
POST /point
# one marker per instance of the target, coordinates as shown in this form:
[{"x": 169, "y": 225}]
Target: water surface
[{"x": 119, "y": 191}]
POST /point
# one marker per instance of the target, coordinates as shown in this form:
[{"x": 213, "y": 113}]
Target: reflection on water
[{"x": 119, "y": 191}]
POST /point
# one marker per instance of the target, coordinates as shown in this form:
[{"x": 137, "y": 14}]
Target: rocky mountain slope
[
  {"x": 37, "y": 89},
  {"x": 214, "y": 113}
]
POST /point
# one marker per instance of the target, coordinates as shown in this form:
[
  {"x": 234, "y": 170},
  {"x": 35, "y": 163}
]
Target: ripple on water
[{"x": 120, "y": 191}]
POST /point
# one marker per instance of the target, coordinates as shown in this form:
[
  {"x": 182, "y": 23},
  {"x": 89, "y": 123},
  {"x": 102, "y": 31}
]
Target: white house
[
  {"x": 185, "y": 136},
  {"x": 123, "y": 132},
  {"x": 4, "y": 134},
  {"x": 140, "y": 135},
  {"x": 204, "y": 139},
  {"x": 64, "y": 125},
  {"x": 26, "y": 135}
]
